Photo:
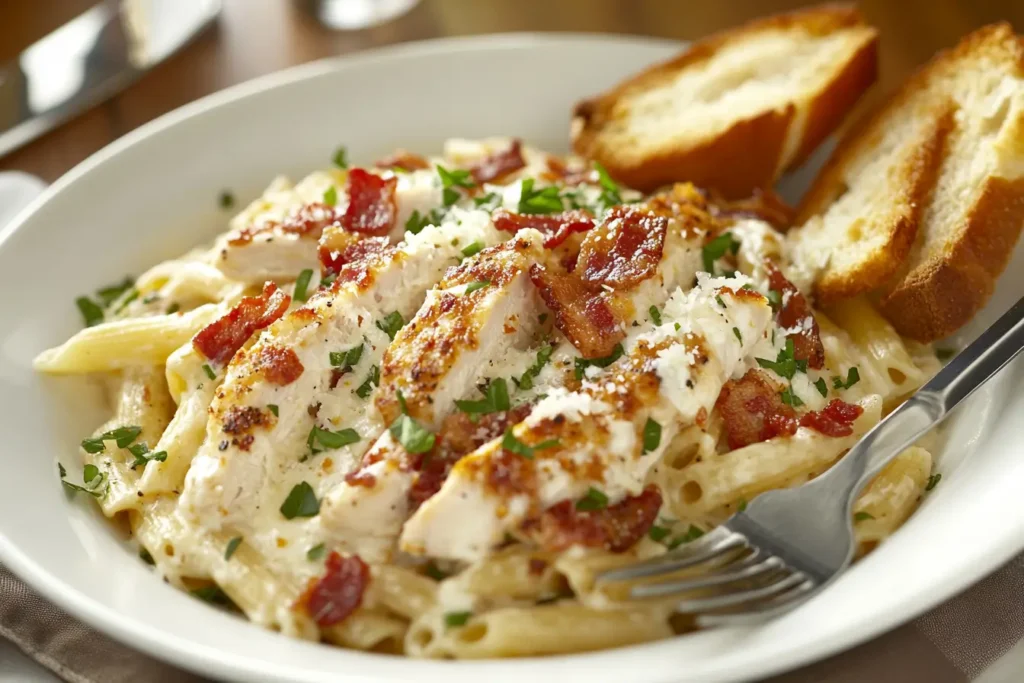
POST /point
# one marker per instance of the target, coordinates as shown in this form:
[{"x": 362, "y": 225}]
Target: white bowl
[{"x": 154, "y": 193}]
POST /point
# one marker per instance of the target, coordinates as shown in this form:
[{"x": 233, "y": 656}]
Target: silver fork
[{"x": 788, "y": 544}]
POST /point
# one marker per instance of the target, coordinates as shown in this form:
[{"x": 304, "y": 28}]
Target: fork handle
[{"x": 971, "y": 368}]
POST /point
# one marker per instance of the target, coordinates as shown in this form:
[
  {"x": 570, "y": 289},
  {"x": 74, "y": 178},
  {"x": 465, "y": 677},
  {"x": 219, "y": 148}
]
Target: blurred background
[{"x": 254, "y": 37}]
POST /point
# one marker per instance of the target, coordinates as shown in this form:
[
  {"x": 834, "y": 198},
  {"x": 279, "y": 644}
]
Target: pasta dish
[{"x": 414, "y": 407}]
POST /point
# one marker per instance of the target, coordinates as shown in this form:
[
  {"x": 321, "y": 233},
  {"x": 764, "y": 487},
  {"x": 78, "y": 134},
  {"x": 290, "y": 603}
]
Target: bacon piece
[
  {"x": 498, "y": 164},
  {"x": 558, "y": 171},
  {"x": 220, "y": 340},
  {"x": 339, "y": 592},
  {"x": 835, "y": 419},
  {"x": 616, "y": 528},
  {"x": 581, "y": 313},
  {"x": 361, "y": 478},
  {"x": 752, "y": 410},
  {"x": 796, "y": 314},
  {"x": 624, "y": 250},
  {"x": 403, "y": 159},
  {"x": 764, "y": 205},
  {"x": 333, "y": 260},
  {"x": 308, "y": 221},
  {"x": 457, "y": 436},
  {"x": 556, "y": 228},
  {"x": 239, "y": 420},
  {"x": 279, "y": 365},
  {"x": 371, "y": 203}
]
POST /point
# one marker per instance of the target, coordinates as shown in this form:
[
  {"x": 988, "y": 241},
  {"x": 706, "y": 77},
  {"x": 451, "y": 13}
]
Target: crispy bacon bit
[
  {"x": 752, "y": 410},
  {"x": 624, "y": 250},
  {"x": 835, "y": 419},
  {"x": 308, "y": 221},
  {"x": 339, "y": 592},
  {"x": 458, "y": 436},
  {"x": 403, "y": 159},
  {"x": 581, "y": 313},
  {"x": 371, "y": 203},
  {"x": 498, "y": 164},
  {"x": 279, "y": 365},
  {"x": 353, "y": 263},
  {"x": 361, "y": 478},
  {"x": 556, "y": 228},
  {"x": 239, "y": 420},
  {"x": 616, "y": 528},
  {"x": 558, "y": 171},
  {"x": 765, "y": 205},
  {"x": 220, "y": 340},
  {"x": 797, "y": 317}
]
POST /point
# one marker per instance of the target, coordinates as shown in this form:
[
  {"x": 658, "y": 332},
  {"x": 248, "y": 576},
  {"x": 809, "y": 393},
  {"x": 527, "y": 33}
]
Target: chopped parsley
[
  {"x": 331, "y": 196},
  {"x": 774, "y": 297},
  {"x": 328, "y": 439},
  {"x": 413, "y": 436},
  {"x": 945, "y": 354},
  {"x": 316, "y": 552},
  {"x": 472, "y": 249},
  {"x": 372, "y": 380},
  {"x": 652, "y": 435},
  {"x": 417, "y": 221},
  {"x": 302, "y": 285},
  {"x": 473, "y": 286},
  {"x": 91, "y": 313},
  {"x": 455, "y": 619},
  {"x": 340, "y": 157},
  {"x": 583, "y": 363},
  {"x": 232, "y": 547},
  {"x": 790, "y": 398},
  {"x": 301, "y": 502},
  {"x": 784, "y": 365},
  {"x": 93, "y": 479},
  {"x": 658, "y": 533},
  {"x": 208, "y": 369},
  {"x": 346, "y": 359},
  {"x": 692, "y": 534},
  {"x": 226, "y": 199},
  {"x": 273, "y": 408},
  {"x": 434, "y": 572},
  {"x": 543, "y": 201},
  {"x": 213, "y": 595},
  {"x": 145, "y": 556},
  {"x": 391, "y": 324},
  {"x": 736, "y": 331},
  {"x": 717, "y": 248},
  {"x": 112, "y": 293},
  {"x": 852, "y": 377},
  {"x": 543, "y": 356},
  {"x": 861, "y": 516},
  {"x": 173, "y": 308},
  {"x": 143, "y": 455},
  {"x": 741, "y": 505},
  {"x": 450, "y": 180},
  {"x": 610, "y": 194},
  {"x": 122, "y": 436},
  {"x": 933, "y": 481},
  {"x": 655, "y": 314},
  {"x": 495, "y": 400},
  {"x": 592, "y": 500},
  {"x": 510, "y": 443},
  {"x": 821, "y": 386},
  {"x": 489, "y": 201}
]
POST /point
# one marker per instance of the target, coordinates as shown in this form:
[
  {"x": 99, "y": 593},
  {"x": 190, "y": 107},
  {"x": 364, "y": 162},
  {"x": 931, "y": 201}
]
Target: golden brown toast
[
  {"x": 922, "y": 202},
  {"x": 736, "y": 109}
]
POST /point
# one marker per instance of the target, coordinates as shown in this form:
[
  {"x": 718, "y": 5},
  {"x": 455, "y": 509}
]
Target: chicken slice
[
  {"x": 483, "y": 309},
  {"x": 597, "y": 441},
  {"x": 305, "y": 372}
]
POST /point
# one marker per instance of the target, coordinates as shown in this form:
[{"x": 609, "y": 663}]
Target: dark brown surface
[{"x": 255, "y": 37}]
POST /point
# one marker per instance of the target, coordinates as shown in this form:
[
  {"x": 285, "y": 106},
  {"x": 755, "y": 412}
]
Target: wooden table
[{"x": 255, "y": 37}]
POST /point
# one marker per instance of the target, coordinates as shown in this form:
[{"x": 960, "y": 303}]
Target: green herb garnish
[
  {"x": 495, "y": 400},
  {"x": 226, "y": 199},
  {"x": 391, "y": 324},
  {"x": 821, "y": 386},
  {"x": 331, "y": 196},
  {"x": 340, "y": 157},
  {"x": 301, "y": 502},
  {"x": 372, "y": 380},
  {"x": 455, "y": 619},
  {"x": 302, "y": 285},
  {"x": 232, "y": 547},
  {"x": 543, "y": 201},
  {"x": 346, "y": 359},
  {"x": 861, "y": 516},
  {"x": 583, "y": 363},
  {"x": 655, "y": 314},
  {"x": 413, "y": 436},
  {"x": 543, "y": 356},
  {"x": 933, "y": 480},
  {"x": 143, "y": 455},
  {"x": 852, "y": 377},
  {"x": 91, "y": 313},
  {"x": 122, "y": 436},
  {"x": 316, "y": 552},
  {"x": 592, "y": 500},
  {"x": 717, "y": 248},
  {"x": 273, "y": 408},
  {"x": 652, "y": 435}
]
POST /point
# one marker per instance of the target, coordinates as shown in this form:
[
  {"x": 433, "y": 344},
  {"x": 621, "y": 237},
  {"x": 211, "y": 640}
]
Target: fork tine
[
  {"x": 707, "y": 547},
  {"x": 731, "y": 573},
  {"x": 742, "y": 597},
  {"x": 768, "y": 610}
]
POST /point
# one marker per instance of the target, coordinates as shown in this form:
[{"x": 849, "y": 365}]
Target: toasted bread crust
[
  {"x": 910, "y": 186},
  {"x": 942, "y": 295},
  {"x": 762, "y": 138}
]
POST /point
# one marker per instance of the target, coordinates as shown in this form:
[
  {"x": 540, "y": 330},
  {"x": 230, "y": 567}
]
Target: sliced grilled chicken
[
  {"x": 481, "y": 310},
  {"x": 309, "y": 377},
  {"x": 281, "y": 241},
  {"x": 597, "y": 443}
]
